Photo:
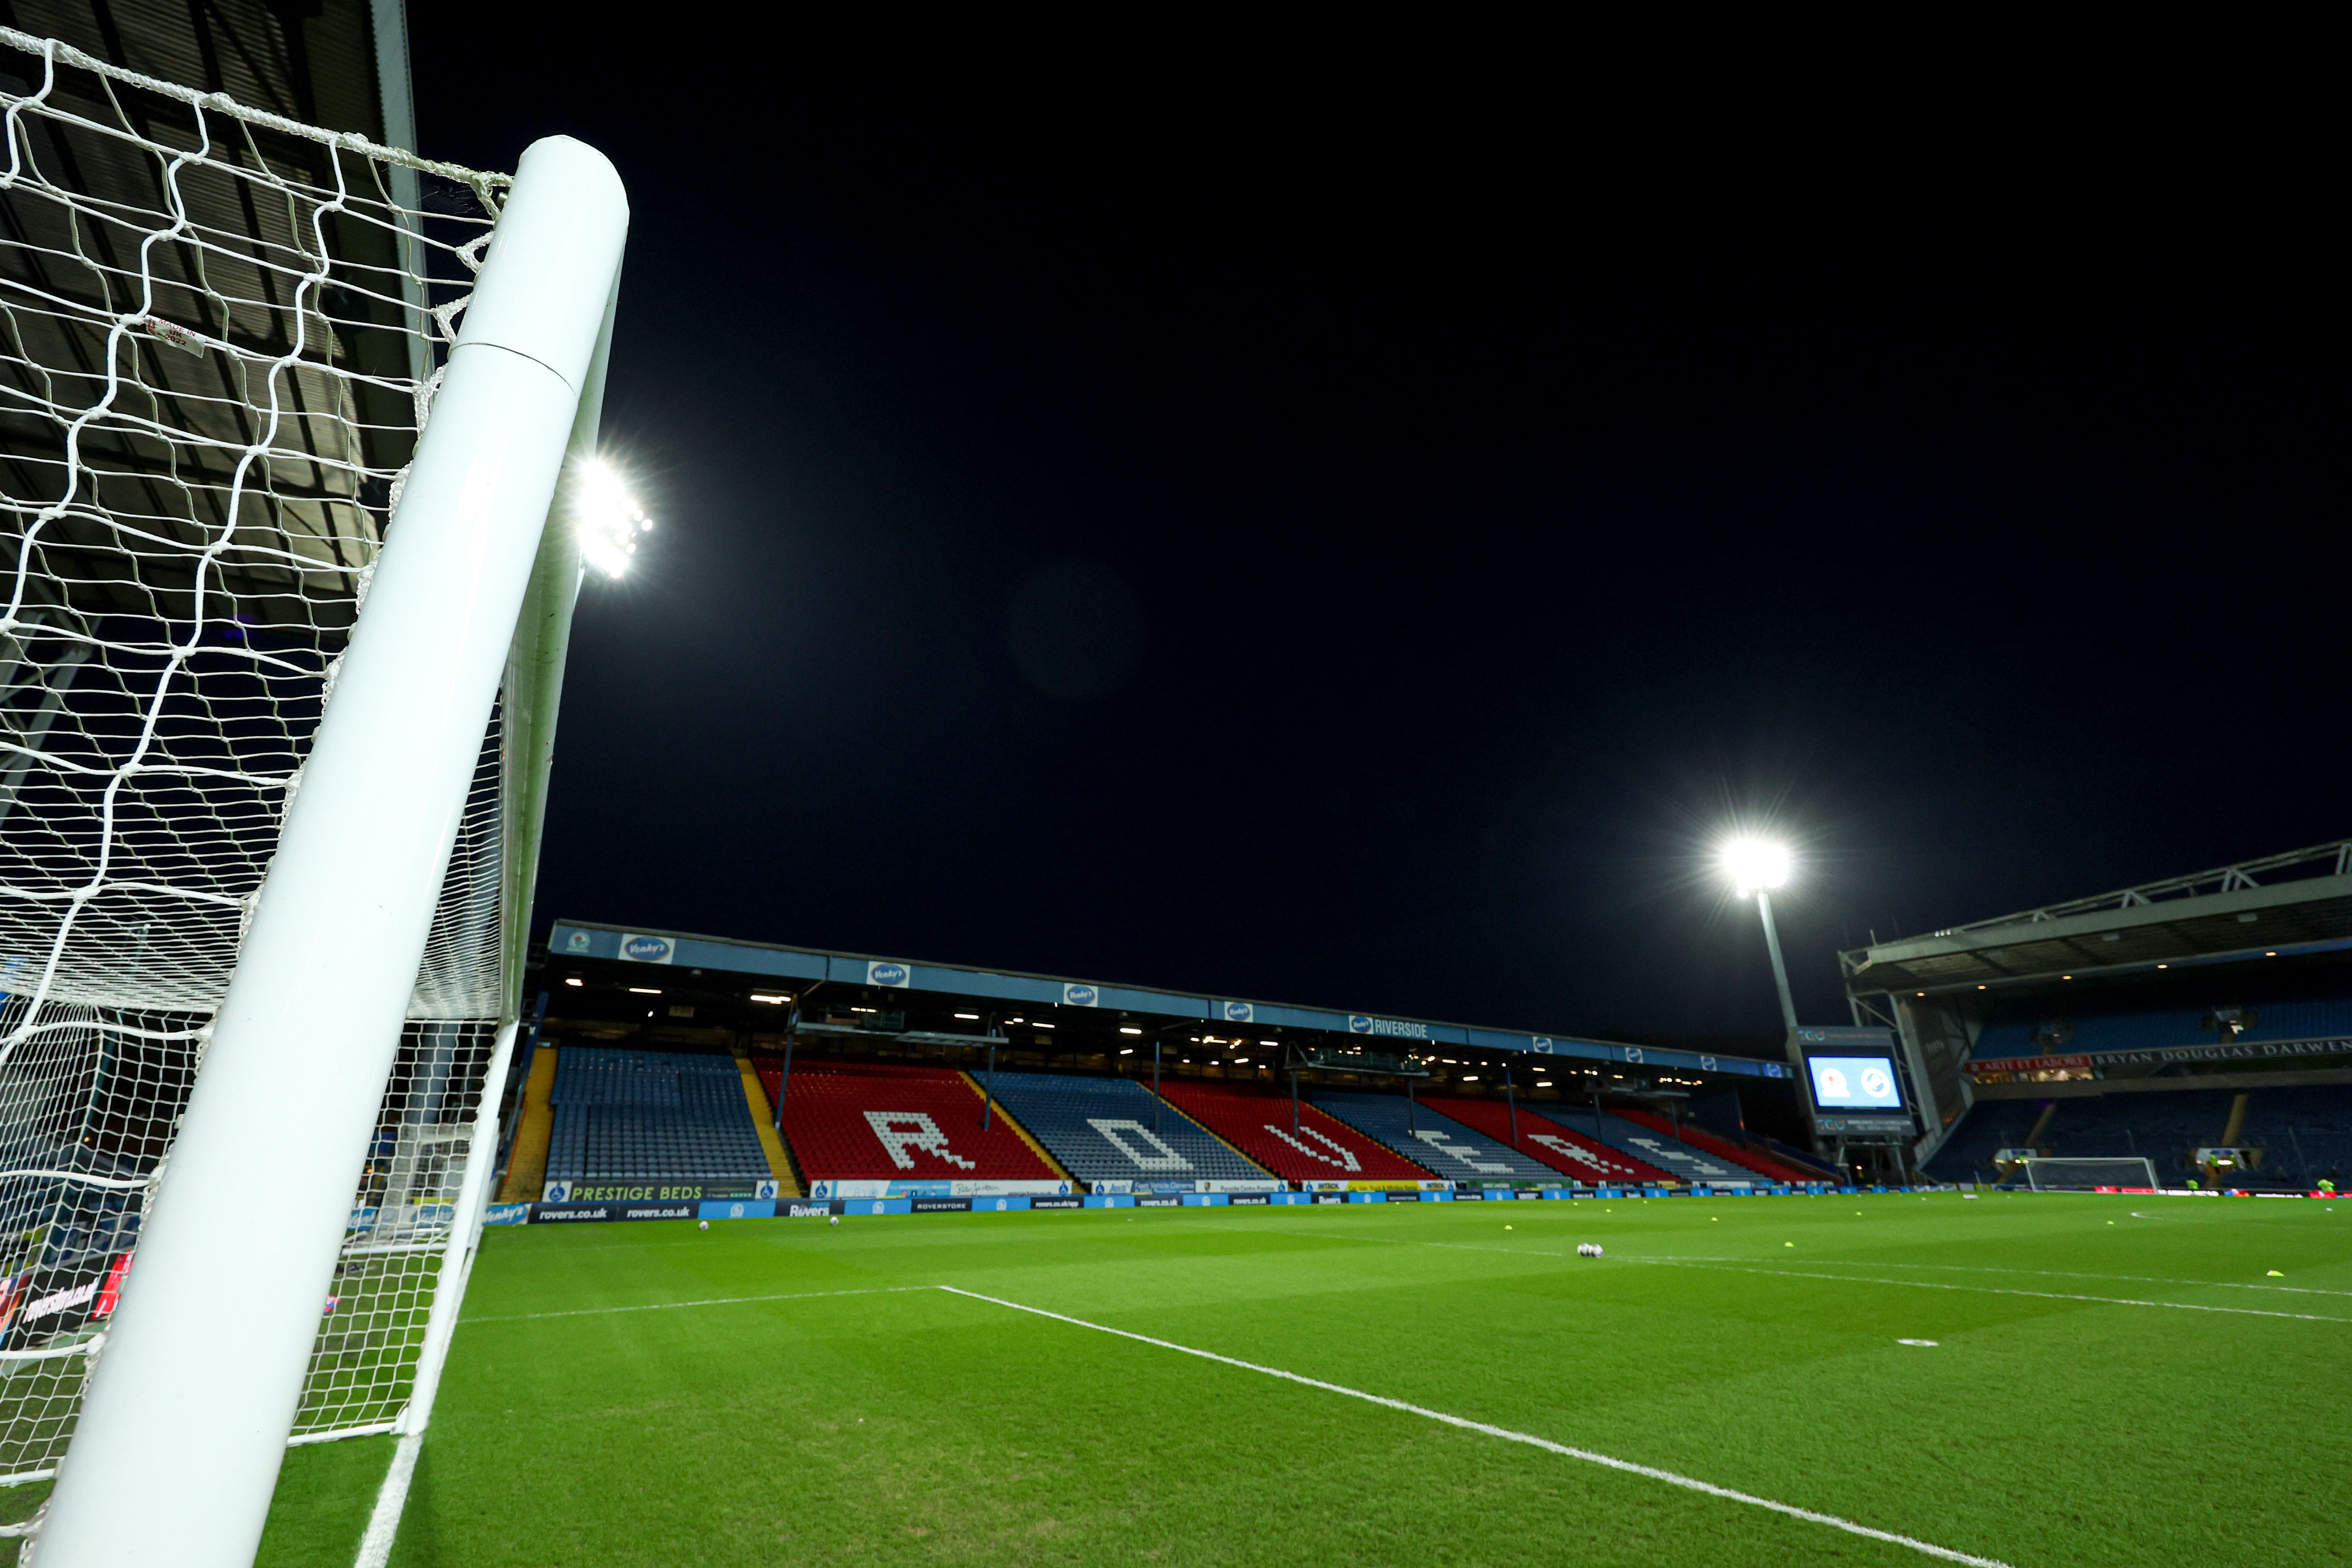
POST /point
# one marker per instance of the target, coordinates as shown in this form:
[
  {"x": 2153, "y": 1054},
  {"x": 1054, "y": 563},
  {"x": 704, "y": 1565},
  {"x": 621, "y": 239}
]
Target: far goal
[{"x": 2090, "y": 1175}]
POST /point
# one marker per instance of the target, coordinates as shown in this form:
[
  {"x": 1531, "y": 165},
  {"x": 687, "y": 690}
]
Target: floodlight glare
[
  {"x": 608, "y": 519},
  {"x": 1754, "y": 863}
]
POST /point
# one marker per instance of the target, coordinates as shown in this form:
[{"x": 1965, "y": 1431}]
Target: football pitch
[{"x": 2110, "y": 1380}]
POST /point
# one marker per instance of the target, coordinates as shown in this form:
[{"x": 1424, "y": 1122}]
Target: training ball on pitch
[
  {"x": 704, "y": 1226},
  {"x": 834, "y": 1221}
]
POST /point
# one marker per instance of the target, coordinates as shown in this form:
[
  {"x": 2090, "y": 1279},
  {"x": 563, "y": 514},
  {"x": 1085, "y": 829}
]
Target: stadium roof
[
  {"x": 587, "y": 940},
  {"x": 2300, "y": 902}
]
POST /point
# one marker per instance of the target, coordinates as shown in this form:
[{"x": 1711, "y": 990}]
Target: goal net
[
  {"x": 221, "y": 334},
  {"x": 2089, "y": 1174}
]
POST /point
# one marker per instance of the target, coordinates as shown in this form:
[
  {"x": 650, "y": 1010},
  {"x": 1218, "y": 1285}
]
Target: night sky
[{"x": 1355, "y": 529}]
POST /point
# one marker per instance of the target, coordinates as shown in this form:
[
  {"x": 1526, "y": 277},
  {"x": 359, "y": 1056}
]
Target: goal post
[
  {"x": 2051, "y": 1174},
  {"x": 190, "y": 1404}
]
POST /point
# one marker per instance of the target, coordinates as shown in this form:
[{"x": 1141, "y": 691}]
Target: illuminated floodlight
[
  {"x": 1756, "y": 863},
  {"x": 608, "y": 518}
]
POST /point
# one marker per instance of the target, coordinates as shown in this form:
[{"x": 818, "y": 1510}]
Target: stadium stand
[
  {"x": 1815, "y": 1167},
  {"x": 1707, "y": 1143},
  {"x": 1440, "y": 1142},
  {"x": 1545, "y": 1140},
  {"x": 863, "y": 1121},
  {"x": 2031, "y": 1029},
  {"x": 1686, "y": 1164},
  {"x": 626, "y": 1115},
  {"x": 1100, "y": 1129},
  {"x": 1258, "y": 1123},
  {"x": 2304, "y": 1132},
  {"x": 527, "y": 1158}
]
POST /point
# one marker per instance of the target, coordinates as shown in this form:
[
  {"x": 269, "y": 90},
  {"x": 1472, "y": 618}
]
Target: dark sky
[{"x": 1355, "y": 529}]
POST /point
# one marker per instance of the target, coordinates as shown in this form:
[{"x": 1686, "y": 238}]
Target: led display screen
[{"x": 1854, "y": 1083}]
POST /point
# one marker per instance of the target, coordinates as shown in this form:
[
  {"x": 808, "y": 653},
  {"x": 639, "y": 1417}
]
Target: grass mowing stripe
[
  {"x": 1986, "y": 1289},
  {"x": 2077, "y": 1274},
  {"x": 672, "y": 1306},
  {"x": 1736, "y": 1265},
  {"x": 1688, "y": 1483}
]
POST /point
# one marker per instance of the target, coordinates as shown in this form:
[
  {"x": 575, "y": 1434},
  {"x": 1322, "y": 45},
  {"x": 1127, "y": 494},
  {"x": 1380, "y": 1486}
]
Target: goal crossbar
[{"x": 2050, "y": 1174}]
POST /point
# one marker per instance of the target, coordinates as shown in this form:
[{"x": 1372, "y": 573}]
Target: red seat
[
  {"x": 1540, "y": 1138},
  {"x": 1258, "y": 1123},
  {"x": 865, "y": 1122}
]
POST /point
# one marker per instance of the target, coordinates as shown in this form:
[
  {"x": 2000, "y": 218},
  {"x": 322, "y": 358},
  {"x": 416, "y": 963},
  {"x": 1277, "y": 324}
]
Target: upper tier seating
[
  {"x": 624, "y": 1115},
  {"x": 862, "y": 1122},
  {"x": 1543, "y": 1139},
  {"x": 1257, "y": 1121},
  {"x": 1686, "y": 1164},
  {"x": 1101, "y": 1129},
  {"x": 1446, "y": 1147},
  {"x": 2025, "y": 1029},
  {"x": 1707, "y": 1143}
]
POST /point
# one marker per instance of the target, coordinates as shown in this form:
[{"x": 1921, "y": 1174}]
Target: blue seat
[
  {"x": 1437, "y": 1143},
  {"x": 627, "y": 1116},
  {"x": 1104, "y": 1129},
  {"x": 1678, "y": 1159}
]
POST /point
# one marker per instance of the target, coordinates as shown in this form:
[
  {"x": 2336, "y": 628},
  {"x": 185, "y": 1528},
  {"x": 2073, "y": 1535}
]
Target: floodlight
[
  {"x": 1756, "y": 863},
  {"x": 609, "y": 520},
  {"x": 1756, "y": 866}
]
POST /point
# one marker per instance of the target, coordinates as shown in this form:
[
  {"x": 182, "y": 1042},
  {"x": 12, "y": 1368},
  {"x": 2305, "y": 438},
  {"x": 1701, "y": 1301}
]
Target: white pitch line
[
  {"x": 383, "y": 1524},
  {"x": 1587, "y": 1455},
  {"x": 1986, "y": 1290},
  {"x": 672, "y": 1306}
]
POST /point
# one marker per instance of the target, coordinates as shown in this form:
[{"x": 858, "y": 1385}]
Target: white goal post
[
  {"x": 283, "y": 417},
  {"x": 2089, "y": 1174}
]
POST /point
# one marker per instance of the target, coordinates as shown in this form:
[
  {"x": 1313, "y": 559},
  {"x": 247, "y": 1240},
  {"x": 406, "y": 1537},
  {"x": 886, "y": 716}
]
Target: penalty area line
[{"x": 1687, "y": 1483}]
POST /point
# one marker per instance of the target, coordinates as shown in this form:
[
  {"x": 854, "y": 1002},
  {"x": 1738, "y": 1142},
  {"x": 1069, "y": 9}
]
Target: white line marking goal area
[{"x": 1924, "y": 1548}]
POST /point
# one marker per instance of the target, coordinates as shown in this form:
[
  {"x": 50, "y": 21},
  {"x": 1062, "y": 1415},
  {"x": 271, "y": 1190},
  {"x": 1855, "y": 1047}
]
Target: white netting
[
  {"x": 2088, "y": 1175},
  {"x": 219, "y": 335}
]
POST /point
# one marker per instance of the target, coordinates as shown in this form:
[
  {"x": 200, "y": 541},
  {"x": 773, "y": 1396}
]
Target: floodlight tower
[{"x": 1756, "y": 867}]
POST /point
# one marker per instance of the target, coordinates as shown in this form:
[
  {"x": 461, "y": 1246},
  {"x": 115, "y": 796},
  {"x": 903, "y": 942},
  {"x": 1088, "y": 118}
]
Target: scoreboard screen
[{"x": 1855, "y": 1083}]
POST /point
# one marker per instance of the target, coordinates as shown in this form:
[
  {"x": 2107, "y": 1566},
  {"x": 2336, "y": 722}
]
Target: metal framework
[{"x": 2297, "y": 901}]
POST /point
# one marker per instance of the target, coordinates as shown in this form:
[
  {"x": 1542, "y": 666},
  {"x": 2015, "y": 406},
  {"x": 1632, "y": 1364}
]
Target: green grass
[{"x": 906, "y": 1425}]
